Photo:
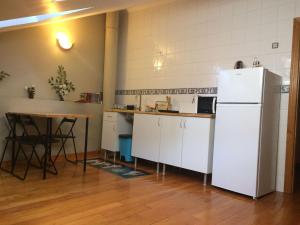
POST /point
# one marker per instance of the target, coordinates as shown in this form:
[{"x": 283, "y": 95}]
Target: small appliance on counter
[
  {"x": 206, "y": 105},
  {"x": 164, "y": 105},
  {"x": 200, "y": 104}
]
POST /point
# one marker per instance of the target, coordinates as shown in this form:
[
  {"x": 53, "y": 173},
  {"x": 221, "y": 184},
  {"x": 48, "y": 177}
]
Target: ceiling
[{"x": 12, "y": 9}]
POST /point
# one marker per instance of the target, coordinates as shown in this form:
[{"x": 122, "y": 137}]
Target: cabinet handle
[
  {"x": 184, "y": 125},
  {"x": 158, "y": 122},
  {"x": 180, "y": 123}
]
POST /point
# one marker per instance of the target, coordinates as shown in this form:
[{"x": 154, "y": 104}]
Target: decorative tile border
[
  {"x": 180, "y": 91},
  {"x": 172, "y": 91}
]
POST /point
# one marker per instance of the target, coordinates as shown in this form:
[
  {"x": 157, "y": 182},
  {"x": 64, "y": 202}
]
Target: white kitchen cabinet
[
  {"x": 114, "y": 124},
  {"x": 171, "y": 140},
  {"x": 146, "y": 137},
  {"x": 185, "y": 142},
  {"x": 197, "y": 144},
  {"x": 109, "y": 136}
]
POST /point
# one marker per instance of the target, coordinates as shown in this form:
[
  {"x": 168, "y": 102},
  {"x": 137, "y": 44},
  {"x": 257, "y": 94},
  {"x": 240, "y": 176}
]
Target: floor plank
[{"x": 99, "y": 197}]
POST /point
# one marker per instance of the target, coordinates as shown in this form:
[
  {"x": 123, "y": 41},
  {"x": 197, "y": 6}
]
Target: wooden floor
[{"x": 98, "y": 197}]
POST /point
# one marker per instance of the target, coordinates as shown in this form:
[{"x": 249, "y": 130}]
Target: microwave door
[{"x": 206, "y": 104}]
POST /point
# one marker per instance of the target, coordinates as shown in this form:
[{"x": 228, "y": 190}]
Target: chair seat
[
  {"x": 64, "y": 136},
  {"x": 32, "y": 139}
]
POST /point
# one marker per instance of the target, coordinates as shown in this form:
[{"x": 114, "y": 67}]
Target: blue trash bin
[{"x": 125, "y": 142}]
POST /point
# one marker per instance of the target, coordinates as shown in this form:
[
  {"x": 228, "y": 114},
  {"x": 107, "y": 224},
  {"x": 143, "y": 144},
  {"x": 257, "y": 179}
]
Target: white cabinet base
[
  {"x": 114, "y": 124},
  {"x": 185, "y": 142}
]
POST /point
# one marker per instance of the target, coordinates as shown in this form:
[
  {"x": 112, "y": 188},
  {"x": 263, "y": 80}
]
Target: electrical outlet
[{"x": 275, "y": 45}]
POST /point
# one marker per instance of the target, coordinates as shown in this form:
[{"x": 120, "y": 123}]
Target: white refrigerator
[{"x": 246, "y": 132}]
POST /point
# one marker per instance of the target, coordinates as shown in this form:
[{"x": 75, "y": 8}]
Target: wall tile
[
  {"x": 194, "y": 39},
  {"x": 286, "y": 10}
]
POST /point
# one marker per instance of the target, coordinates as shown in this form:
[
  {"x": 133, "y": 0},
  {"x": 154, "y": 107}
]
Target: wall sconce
[{"x": 64, "y": 41}]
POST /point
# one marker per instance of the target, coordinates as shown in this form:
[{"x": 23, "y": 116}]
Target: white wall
[
  {"x": 31, "y": 56},
  {"x": 195, "y": 39}
]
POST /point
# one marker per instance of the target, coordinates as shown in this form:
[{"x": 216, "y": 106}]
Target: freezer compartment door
[
  {"x": 241, "y": 86},
  {"x": 236, "y": 147}
]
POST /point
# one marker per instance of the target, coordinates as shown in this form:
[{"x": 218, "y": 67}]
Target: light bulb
[{"x": 64, "y": 41}]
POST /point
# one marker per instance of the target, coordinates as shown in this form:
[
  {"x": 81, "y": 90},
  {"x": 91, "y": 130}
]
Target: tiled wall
[{"x": 184, "y": 44}]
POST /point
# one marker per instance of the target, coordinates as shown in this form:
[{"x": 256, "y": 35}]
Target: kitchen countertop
[{"x": 198, "y": 115}]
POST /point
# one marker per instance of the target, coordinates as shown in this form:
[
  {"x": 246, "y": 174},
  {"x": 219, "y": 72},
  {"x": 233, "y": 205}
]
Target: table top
[{"x": 53, "y": 115}]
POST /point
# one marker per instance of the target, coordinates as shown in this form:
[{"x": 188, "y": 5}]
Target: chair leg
[
  {"x": 74, "y": 145},
  {"x": 69, "y": 134},
  {"x": 3, "y": 154},
  {"x": 4, "y": 150},
  {"x": 16, "y": 158},
  {"x": 75, "y": 150},
  {"x": 53, "y": 166},
  {"x": 2, "y": 158},
  {"x": 38, "y": 159},
  {"x": 57, "y": 155},
  {"x": 64, "y": 149},
  {"x": 50, "y": 163},
  {"x": 28, "y": 164}
]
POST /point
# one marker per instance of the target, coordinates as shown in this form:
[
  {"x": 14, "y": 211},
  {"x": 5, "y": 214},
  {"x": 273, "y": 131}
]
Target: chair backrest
[
  {"x": 64, "y": 121},
  {"x": 29, "y": 125},
  {"x": 12, "y": 120},
  {"x": 24, "y": 124}
]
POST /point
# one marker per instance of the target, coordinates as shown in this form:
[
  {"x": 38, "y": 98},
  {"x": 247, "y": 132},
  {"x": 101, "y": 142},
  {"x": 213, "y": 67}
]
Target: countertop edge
[{"x": 196, "y": 115}]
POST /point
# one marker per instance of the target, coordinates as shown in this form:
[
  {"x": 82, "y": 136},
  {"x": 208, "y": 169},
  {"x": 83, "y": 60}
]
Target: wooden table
[{"x": 49, "y": 118}]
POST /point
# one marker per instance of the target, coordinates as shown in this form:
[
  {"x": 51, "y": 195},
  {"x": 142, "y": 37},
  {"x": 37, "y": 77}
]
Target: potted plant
[
  {"x": 30, "y": 91},
  {"x": 60, "y": 83}
]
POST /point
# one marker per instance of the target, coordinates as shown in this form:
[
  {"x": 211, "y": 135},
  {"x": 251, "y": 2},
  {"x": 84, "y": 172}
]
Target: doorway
[{"x": 292, "y": 173}]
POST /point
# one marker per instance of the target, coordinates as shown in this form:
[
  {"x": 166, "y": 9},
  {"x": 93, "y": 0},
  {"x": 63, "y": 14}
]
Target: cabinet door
[
  {"x": 197, "y": 144},
  {"x": 146, "y": 137},
  {"x": 110, "y": 136},
  {"x": 171, "y": 140}
]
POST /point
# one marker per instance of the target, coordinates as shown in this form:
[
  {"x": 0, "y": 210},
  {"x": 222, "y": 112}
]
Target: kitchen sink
[{"x": 168, "y": 111}]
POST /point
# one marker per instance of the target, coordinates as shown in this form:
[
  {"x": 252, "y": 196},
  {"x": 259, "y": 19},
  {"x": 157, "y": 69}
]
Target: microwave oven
[{"x": 207, "y": 105}]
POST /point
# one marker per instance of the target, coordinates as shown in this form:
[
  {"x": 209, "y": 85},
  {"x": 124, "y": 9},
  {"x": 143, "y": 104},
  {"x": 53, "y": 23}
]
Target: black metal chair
[
  {"x": 65, "y": 132},
  {"x": 11, "y": 125},
  {"x": 30, "y": 136}
]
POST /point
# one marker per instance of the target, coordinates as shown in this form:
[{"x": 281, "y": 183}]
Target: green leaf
[{"x": 61, "y": 79}]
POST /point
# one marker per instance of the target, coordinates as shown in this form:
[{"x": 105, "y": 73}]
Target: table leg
[
  {"x": 86, "y": 143},
  {"x": 13, "y": 146},
  {"x": 48, "y": 145}
]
